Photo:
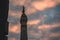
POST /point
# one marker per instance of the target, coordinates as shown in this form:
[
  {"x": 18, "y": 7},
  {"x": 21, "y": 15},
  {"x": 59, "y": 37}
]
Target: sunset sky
[{"x": 43, "y": 19}]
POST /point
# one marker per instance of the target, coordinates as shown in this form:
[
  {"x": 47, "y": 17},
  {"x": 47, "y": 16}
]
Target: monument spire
[{"x": 23, "y": 22}]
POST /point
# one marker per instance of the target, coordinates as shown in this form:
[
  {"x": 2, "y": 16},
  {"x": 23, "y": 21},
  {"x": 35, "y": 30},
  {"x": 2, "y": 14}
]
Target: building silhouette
[
  {"x": 4, "y": 7},
  {"x": 23, "y": 22}
]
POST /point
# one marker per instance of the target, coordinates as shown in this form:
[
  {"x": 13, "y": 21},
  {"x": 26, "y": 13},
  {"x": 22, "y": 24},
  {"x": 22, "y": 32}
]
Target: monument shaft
[{"x": 23, "y": 22}]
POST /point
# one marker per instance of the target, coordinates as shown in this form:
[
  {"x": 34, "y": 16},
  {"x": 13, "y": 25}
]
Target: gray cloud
[
  {"x": 13, "y": 35},
  {"x": 15, "y": 8},
  {"x": 56, "y": 29},
  {"x": 54, "y": 38},
  {"x": 13, "y": 20}
]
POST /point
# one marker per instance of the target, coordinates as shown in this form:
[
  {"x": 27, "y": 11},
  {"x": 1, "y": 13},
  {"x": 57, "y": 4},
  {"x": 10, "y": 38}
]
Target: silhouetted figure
[
  {"x": 4, "y": 7},
  {"x": 23, "y": 22}
]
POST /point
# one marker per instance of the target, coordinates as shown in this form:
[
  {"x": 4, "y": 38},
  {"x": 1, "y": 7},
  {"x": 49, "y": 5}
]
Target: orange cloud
[
  {"x": 41, "y": 5},
  {"x": 44, "y": 26},
  {"x": 32, "y": 22},
  {"x": 30, "y": 10},
  {"x": 47, "y": 26},
  {"x": 38, "y": 4},
  {"x": 14, "y": 28}
]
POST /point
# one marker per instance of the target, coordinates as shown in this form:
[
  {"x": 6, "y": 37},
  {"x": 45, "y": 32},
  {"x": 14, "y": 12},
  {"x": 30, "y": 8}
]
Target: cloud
[
  {"x": 14, "y": 28},
  {"x": 30, "y": 10},
  {"x": 15, "y": 8},
  {"x": 58, "y": 1},
  {"x": 37, "y": 31},
  {"x": 14, "y": 17},
  {"x": 54, "y": 38},
  {"x": 15, "y": 13},
  {"x": 56, "y": 29},
  {"x": 31, "y": 7},
  {"x": 32, "y": 22},
  {"x": 44, "y": 26},
  {"x": 34, "y": 34},
  {"x": 12, "y": 38},
  {"x": 17, "y": 2},
  {"x": 41, "y": 5},
  {"x": 54, "y": 34},
  {"x": 13, "y": 20},
  {"x": 48, "y": 26}
]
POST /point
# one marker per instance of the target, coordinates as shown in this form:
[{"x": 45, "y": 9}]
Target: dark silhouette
[
  {"x": 4, "y": 7},
  {"x": 23, "y": 22}
]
